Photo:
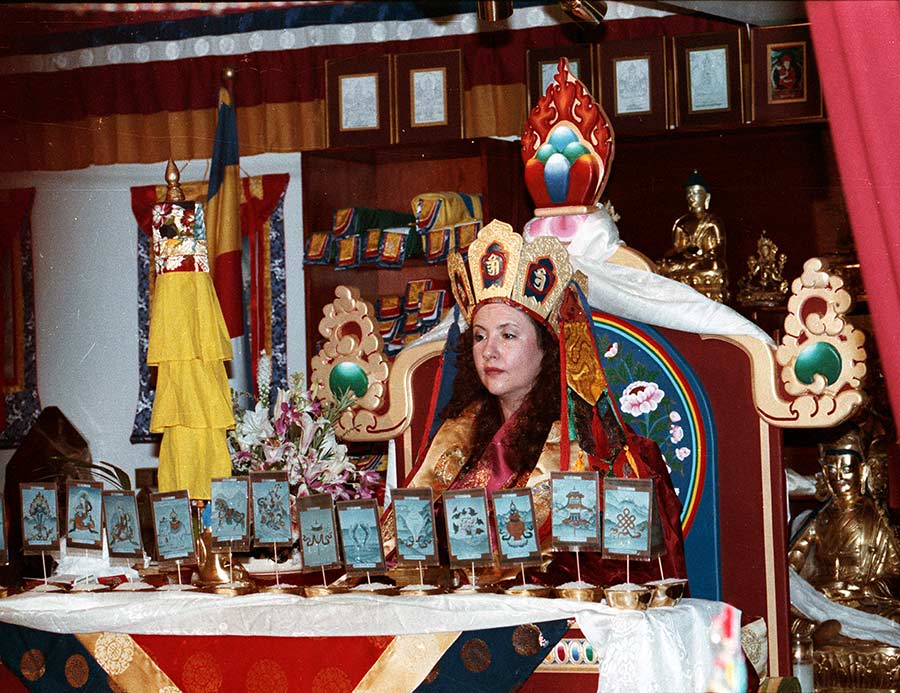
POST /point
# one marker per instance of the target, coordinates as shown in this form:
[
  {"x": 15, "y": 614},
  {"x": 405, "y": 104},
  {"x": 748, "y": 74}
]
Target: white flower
[
  {"x": 641, "y": 397},
  {"x": 612, "y": 351},
  {"x": 280, "y": 398},
  {"x": 264, "y": 377},
  {"x": 274, "y": 453},
  {"x": 676, "y": 433},
  {"x": 674, "y": 417},
  {"x": 682, "y": 453},
  {"x": 253, "y": 427}
]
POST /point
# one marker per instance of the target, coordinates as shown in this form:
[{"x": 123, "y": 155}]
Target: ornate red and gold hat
[
  {"x": 503, "y": 268},
  {"x": 567, "y": 148}
]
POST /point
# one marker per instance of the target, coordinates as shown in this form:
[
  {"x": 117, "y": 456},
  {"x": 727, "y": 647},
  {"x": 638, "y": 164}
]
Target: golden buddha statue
[
  {"x": 764, "y": 284},
  {"x": 697, "y": 257},
  {"x": 850, "y": 551}
]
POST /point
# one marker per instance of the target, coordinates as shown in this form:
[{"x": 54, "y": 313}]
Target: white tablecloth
[{"x": 664, "y": 649}]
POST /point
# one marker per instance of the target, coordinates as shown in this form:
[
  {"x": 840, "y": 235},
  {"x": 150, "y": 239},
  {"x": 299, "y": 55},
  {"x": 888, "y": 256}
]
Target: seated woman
[{"x": 501, "y": 425}]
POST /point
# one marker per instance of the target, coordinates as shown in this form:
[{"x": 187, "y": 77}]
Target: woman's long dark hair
[{"x": 533, "y": 419}]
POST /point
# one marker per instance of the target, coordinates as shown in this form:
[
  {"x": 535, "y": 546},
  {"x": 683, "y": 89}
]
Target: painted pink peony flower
[
  {"x": 641, "y": 397},
  {"x": 676, "y": 433},
  {"x": 682, "y": 453},
  {"x": 612, "y": 351}
]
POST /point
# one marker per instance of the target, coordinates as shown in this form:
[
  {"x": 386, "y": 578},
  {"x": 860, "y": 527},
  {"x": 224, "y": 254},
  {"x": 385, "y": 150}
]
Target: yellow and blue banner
[{"x": 223, "y": 216}]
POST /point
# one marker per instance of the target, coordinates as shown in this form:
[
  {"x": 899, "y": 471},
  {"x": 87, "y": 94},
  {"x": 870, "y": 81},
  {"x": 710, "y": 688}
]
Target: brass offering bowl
[
  {"x": 476, "y": 589},
  {"x": 384, "y": 590},
  {"x": 324, "y": 590},
  {"x": 134, "y": 587},
  {"x": 284, "y": 588},
  {"x": 636, "y": 598},
  {"x": 421, "y": 590},
  {"x": 89, "y": 588},
  {"x": 175, "y": 587},
  {"x": 580, "y": 594},
  {"x": 230, "y": 589},
  {"x": 48, "y": 587},
  {"x": 529, "y": 591},
  {"x": 666, "y": 592}
]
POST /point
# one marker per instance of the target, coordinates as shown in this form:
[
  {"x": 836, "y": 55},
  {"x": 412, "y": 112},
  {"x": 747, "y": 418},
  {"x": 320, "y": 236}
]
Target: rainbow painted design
[{"x": 658, "y": 396}]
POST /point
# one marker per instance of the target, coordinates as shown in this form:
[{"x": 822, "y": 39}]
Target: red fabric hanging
[{"x": 857, "y": 47}]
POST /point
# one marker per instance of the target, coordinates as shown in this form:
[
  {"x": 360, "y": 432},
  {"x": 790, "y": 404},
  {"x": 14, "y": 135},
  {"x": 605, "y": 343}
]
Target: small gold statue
[
  {"x": 697, "y": 257},
  {"x": 764, "y": 285},
  {"x": 850, "y": 551}
]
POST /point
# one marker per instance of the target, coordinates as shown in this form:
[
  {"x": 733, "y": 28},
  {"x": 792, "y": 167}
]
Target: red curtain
[{"x": 857, "y": 46}]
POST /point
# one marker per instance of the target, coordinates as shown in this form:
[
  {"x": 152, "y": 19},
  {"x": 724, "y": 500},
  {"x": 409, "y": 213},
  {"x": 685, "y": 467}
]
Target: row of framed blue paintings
[
  {"x": 88, "y": 509},
  {"x": 258, "y": 509}
]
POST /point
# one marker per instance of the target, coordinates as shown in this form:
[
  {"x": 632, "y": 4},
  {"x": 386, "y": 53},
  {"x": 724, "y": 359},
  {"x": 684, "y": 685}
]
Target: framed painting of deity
[
  {"x": 414, "y": 525},
  {"x": 633, "y": 85},
  {"x": 358, "y": 101},
  {"x": 468, "y": 531},
  {"x": 627, "y": 518},
  {"x": 575, "y": 517},
  {"x": 784, "y": 75},
  {"x": 84, "y": 514},
  {"x": 40, "y": 517},
  {"x": 173, "y": 527},
  {"x": 428, "y": 96},
  {"x": 543, "y": 63},
  {"x": 360, "y": 535},
  {"x": 271, "y": 503},
  {"x": 230, "y": 513},
  {"x": 708, "y": 79},
  {"x": 123, "y": 524},
  {"x": 517, "y": 531},
  {"x": 319, "y": 547}
]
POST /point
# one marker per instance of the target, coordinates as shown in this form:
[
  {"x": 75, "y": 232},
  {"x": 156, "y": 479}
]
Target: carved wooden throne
[{"x": 719, "y": 424}]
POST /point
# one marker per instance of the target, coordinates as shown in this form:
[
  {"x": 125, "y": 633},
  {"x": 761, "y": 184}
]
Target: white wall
[{"x": 85, "y": 273}]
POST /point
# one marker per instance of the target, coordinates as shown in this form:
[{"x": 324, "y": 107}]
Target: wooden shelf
[{"x": 390, "y": 178}]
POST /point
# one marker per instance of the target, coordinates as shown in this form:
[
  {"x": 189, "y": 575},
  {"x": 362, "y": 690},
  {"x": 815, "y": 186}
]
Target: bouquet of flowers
[{"x": 296, "y": 434}]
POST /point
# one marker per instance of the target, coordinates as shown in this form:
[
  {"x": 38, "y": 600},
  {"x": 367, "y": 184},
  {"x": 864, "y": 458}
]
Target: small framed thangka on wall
[
  {"x": 429, "y": 96},
  {"x": 543, "y": 64},
  {"x": 633, "y": 85},
  {"x": 785, "y": 78},
  {"x": 358, "y": 101},
  {"x": 708, "y": 84}
]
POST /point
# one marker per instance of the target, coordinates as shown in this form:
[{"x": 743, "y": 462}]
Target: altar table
[{"x": 273, "y": 643}]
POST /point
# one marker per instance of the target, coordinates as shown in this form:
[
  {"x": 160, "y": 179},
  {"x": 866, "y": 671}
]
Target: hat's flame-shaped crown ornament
[
  {"x": 502, "y": 268},
  {"x": 567, "y": 148}
]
